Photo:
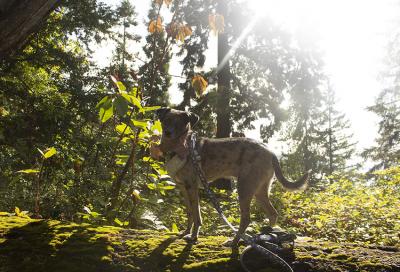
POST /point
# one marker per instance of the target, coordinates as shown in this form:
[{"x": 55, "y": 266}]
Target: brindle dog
[{"x": 246, "y": 160}]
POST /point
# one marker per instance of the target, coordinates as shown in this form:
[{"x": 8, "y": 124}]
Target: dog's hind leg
[
  {"x": 246, "y": 190},
  {"x": 262, "y": 198}
]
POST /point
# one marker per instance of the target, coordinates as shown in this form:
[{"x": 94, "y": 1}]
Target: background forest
[{"x": 74, "y": 133}]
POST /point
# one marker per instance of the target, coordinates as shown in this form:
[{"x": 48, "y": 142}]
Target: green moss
[
  {"x": 49, "y": 245},
  {"x": 338, "y": 256},
  {"x": 220, "y": 262}
]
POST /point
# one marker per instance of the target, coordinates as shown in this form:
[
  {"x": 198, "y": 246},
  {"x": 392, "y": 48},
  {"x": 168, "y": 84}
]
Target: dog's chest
[{"x": 174, "y": 164}]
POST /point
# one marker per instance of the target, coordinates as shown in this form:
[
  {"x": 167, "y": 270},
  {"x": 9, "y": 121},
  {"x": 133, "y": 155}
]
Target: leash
[{"x": 270, "y": 256}]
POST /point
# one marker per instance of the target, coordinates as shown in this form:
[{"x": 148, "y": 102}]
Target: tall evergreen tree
[
  {"x": 386, "y": 152},
  {"x": 153, "y": 74},
  {"x": 123, "y": 58},
  {"x": 303, "y": 130},
  {"x": 318, "y": 136},
  {"x": 338, "y": 140}
]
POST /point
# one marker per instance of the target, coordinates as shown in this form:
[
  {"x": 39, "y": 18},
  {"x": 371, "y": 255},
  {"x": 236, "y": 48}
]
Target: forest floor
[{"x": 49, "y": 245}]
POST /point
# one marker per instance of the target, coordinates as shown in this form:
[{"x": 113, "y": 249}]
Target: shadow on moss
[{"x": 44, "y": 246}]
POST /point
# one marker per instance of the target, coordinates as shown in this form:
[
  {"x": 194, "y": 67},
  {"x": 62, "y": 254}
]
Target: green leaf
[
  {"x": 151, "y": 186},
  {"x": 105, "y": 114},
  {"x": 168, "y": 187},
  {"x": 120, "y": 105},
  {"x": 134, "y": 91},
  {"x": 106, "y": 110},
  {"x": 102, "y": 101},
  {"x": 161, "y": 171},
  {"x": 156, "y": 126},
  {"x": 318, "y": 224},
  {"x": 145, "y": 109},
  {"x": 121, "y": 86},
  {"x": 147, "y": 159},
  {"x": 174, "y": 228},
  {"x": 152, "y": 108},
  {"x": 121, "y": 159},
  {"x": 140, "y": 123},
  {"x": 50, "y": 152},
  {"x": 95, "y": 214},
  {"x": 122, "y": 156},
  {"x": 17, "y": 211},
  {"x": 144, "y": 134},
  {"x": 116, "y": 220},
  {"x": 28, "y": 171},
  {"x": 131, "y": 99},
  {"x": 123, "y": 128}
]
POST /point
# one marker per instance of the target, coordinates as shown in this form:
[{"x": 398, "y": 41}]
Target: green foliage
[
  {"x": 48, "y": 93},
  {"x": 346, "y": 210}
]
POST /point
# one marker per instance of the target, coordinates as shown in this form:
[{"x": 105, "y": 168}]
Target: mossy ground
[{"x": 48, "y": 245}]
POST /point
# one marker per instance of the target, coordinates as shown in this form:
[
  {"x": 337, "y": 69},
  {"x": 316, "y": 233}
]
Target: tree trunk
[
  {"x": 224, "y": 79},
  {"x": 223, "y": 91},
  {"x": 18, "y": 19}
]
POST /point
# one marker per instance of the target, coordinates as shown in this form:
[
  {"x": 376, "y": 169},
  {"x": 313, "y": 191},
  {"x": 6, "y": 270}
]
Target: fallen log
[{"x": 49, "y": 245}]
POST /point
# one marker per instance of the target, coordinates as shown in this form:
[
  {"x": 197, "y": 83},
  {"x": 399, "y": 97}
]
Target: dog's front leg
[
  {"x": 188, "y": 207},
  {"x": 193, "y": 196}
]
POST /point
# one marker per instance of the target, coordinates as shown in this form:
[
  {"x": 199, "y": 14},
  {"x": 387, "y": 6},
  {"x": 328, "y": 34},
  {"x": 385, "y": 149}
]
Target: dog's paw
[{"x": 189, "y": 238}]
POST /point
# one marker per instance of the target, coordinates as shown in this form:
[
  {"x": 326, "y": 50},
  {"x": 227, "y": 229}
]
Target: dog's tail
[{"x": 300, "y": 184}]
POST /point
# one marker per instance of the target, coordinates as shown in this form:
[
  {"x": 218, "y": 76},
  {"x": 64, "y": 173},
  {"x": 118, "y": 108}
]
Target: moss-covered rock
[{"x": 48, "y": 245}]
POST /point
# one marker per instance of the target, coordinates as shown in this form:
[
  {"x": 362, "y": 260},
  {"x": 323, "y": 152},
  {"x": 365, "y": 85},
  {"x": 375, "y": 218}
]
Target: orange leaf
[
  {"x": 199, "y": 85},
  {"x": 156, "y": 25},
  {"x": 183, "y": 32},
  {"x": 167, "y": 2}
]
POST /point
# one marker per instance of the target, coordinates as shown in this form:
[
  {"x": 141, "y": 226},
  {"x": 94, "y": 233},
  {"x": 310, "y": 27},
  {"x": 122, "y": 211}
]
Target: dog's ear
[
  {"x": 193, "y": 118},
  {"x": 161, "y": 112}
]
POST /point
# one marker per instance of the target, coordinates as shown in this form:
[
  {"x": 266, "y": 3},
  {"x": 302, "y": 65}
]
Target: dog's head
[{"x": 175, "y": 124}]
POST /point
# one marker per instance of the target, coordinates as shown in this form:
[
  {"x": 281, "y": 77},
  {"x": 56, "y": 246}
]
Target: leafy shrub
[{"x": 349, "y": 209}]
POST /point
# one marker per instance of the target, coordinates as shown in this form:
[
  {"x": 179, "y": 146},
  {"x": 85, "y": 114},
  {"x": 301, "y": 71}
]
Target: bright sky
[{"x": 352, "y": 34}]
